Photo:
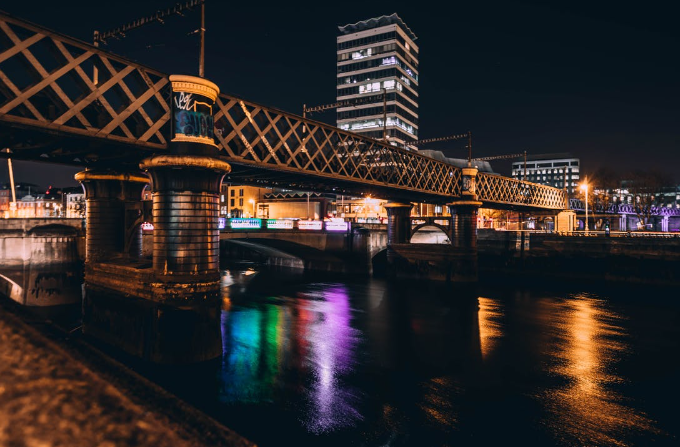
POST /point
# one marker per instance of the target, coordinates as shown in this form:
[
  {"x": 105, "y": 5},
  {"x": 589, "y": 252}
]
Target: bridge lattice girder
[
  {"x": 51, "y": 107},
  {"x": 46, "y": 83},
  {"x": 253, "y": 135}
]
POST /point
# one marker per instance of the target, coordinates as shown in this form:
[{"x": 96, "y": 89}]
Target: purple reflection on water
[{"x": 332, "y": 343}]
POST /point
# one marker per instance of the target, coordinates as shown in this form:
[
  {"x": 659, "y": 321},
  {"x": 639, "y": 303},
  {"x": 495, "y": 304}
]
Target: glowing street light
[
  {"x": 253, "y": 202},
  {"x": 584, "y": 188}
]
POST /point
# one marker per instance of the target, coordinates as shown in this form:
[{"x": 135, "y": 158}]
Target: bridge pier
[
  {"x": 186, "y": 237},
  {"x": 167, "y": 311},
  {"x": 398, "y": 227},
  {"x": 464, "y": 240}
]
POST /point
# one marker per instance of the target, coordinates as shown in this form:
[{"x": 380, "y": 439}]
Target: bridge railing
[
  {"x": 47, "y": 82},
  {"x": 625, "y": 208},
  {"x": 499, "y": 190},
  {"x": 263, "y": 137}
]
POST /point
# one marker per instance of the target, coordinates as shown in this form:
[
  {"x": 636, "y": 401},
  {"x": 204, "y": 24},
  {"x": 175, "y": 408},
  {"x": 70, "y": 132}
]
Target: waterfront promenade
[{"x": 56, "y": 391}]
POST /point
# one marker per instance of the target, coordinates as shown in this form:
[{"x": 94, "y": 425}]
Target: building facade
[
  {"x": 38, "y": 206},
  {"x": 377, "y": 57},
  {"x": 241, "y": 200},
  {"x": 550, "y": 169},
  {"x": 75, "y": 205}
]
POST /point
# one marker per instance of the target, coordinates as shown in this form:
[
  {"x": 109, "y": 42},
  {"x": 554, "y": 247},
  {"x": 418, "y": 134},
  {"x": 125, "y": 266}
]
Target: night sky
[{"x": 598, "y": 79}]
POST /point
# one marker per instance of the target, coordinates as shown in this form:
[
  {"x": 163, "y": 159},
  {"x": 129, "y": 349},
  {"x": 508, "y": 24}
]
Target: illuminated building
[
  {"x": 373, "y": 55},
  {"x": 40, "y": 206},
  {"x": 548, "y": 169},
  {"x": 240, "y": 200},
  {"x": 75, "y": 205}
]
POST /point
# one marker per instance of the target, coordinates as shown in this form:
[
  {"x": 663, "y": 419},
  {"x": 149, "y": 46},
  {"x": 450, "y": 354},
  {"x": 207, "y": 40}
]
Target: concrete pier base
[{"x": 126, "y": 307}]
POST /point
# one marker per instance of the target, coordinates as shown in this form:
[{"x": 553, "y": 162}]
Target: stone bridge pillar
[
  {"x": 169, "y": 311},
  {"x": 398, "y": 226},
  {"x": 114, "y": 214},
  {"x": 464, "y": 224},
  {"x": 186, "y": 238},
  {"x": 464, "y": 228}
]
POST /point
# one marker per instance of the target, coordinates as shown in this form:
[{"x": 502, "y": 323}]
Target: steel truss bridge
[{"x": 51, "y": 110}]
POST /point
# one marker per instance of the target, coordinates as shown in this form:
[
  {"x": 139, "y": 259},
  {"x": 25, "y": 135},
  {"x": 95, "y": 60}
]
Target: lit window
[{"x": 389, "y": 60}]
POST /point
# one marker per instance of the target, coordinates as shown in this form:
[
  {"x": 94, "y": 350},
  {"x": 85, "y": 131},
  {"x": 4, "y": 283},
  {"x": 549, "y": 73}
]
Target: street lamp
[
  {"x": 584, "y": 188},
  {"x": 253, "y": 202}
]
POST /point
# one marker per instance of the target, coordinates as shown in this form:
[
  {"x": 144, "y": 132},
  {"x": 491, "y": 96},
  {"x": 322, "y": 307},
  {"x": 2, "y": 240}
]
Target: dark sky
[{"x": 598, "y": 79}]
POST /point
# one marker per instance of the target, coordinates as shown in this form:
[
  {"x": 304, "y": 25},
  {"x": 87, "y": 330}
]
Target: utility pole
[
  {"x": 201, "y": 59},
  {"x": 95, "y": 70},
  {"x": 13, "y": 207},
  {"x": 469, "y": 135},
  {"x": 157, "y": 17}
]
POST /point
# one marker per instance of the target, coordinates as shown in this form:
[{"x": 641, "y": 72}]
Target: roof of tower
[{"x": 375, "y": 22}]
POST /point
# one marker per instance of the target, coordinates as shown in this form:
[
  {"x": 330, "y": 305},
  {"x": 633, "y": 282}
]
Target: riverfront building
[
  {"x": 375, "y": 57},
  {"x": 549, "y": 169}
]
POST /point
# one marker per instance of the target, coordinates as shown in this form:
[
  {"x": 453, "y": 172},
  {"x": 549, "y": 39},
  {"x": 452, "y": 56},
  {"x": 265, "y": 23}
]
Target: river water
[{"x": 313, "y": 361}]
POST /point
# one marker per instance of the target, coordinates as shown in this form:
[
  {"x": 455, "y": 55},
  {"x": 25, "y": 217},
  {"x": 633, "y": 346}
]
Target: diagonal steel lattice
[
  {"x": 46, "y": 85},
  {"x": 250, "y": 134},
  {"x": 498, "y": 190},
  {"x": 46, "y": 82}
]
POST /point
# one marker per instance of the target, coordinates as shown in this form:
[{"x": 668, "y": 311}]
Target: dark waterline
[{"x": 372, "y": 362}]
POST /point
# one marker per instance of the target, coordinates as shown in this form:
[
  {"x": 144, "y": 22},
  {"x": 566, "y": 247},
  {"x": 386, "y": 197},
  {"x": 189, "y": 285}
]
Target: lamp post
[
  {"x": 253, "y": 203},
  {"x": 584, "y": 187}
]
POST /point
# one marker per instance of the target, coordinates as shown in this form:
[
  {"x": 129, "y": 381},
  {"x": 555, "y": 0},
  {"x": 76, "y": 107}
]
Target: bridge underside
[
  {"x": 31, "y": 144},
  {"x": 52, "y": 146}
]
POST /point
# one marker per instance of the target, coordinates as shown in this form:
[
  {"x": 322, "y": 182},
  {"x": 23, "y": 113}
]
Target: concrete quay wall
[
  {"x": 645, "y": 260},
  {"x": 41, "y": 265}
]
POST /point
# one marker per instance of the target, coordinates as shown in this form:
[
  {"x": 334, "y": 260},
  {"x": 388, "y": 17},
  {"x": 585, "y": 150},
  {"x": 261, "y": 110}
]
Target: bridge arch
[{"x": 417, "y": 236}]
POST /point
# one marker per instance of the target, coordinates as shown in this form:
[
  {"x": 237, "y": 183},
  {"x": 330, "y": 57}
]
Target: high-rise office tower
[{"x": 375, "y": 57}]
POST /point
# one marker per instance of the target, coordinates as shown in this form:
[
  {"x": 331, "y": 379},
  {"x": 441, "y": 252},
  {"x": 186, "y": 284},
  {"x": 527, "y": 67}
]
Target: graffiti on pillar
[
  {"x": 193, "y": 115},
  {"x": 193, "y": 100}
]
